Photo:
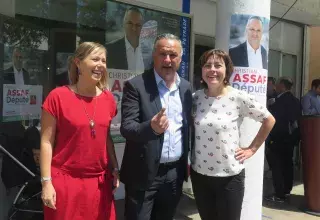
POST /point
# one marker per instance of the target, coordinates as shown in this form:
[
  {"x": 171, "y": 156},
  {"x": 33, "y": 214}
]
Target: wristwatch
[{"x": 45, "y": 179}]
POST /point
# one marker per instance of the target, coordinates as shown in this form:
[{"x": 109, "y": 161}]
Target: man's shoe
[{"x": 274, "y": 198}]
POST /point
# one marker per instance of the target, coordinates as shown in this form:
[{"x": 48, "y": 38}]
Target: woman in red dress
[{"x": 79, "y": 169}]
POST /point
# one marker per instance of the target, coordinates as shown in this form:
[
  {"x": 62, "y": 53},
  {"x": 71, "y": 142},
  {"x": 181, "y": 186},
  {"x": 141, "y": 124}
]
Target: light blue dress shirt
[
  {"x": 311, "y": 104},
  {"x": 170, "y": 99}
]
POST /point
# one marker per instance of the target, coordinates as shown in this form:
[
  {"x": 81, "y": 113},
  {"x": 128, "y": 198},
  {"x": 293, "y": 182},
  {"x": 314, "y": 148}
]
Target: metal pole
[{"x": 17, "y": 161}]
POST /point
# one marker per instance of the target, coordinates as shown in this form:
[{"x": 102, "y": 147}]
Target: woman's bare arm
[{"x": 48, "y": 131}]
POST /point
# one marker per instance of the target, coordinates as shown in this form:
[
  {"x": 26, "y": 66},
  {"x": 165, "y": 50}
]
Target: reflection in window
[{"x": 24, "y": 53}]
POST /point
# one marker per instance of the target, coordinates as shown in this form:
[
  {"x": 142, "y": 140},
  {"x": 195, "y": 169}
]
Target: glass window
[
  {"x": 289, "y": 69},
  {"x": 274, "y": 63},
  {"x": 283, "y": 64},
  {"x": 289, "y": 65}
]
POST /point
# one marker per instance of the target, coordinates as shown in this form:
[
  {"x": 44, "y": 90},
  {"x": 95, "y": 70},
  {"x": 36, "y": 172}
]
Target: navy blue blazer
[
  {"x": 239, "y": 56},
  {"x": 140, "y": 102},
  {"x": 117, "y": 55}
]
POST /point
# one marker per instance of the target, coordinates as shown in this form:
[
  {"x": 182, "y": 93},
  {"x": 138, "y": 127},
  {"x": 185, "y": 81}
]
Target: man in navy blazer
[
  {"x": 282, "y": 139},
  {"x": 251, "y": 53},
  {"x": 156, "y": 113}
]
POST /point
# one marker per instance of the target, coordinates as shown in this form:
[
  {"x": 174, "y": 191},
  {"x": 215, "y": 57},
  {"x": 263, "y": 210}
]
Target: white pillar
[{"x": 227, "y": 12}]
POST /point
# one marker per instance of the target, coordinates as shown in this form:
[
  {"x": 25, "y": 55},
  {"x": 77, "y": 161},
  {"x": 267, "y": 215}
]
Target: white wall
[{"x": 204, "y": 12}]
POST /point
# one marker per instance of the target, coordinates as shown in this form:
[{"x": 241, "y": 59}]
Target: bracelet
[{"x": 45, "y": 179}]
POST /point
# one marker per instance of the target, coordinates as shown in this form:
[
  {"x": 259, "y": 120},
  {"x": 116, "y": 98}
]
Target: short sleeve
[
  {"x": 51, "y": 103},
  {"x": 251, "y": 108},
  {"x": 113, "y": 104},
  {"x": 114, "y": 110}
]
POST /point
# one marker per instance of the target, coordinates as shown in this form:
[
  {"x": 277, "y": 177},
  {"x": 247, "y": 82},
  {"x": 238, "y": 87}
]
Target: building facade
[{"x": 40, "y": 35}]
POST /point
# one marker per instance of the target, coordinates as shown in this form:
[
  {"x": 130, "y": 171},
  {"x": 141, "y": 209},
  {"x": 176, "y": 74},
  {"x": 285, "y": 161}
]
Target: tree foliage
[
  {"x": 17, "y": 34},
  {"x": 18, "y": 31}
]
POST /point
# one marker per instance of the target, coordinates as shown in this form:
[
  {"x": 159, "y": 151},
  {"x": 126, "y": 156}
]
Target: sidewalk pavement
[{"x": 292, "y": 209}]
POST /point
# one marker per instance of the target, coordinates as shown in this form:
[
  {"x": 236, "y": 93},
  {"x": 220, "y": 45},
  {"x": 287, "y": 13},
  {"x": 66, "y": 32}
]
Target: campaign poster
[
  {"x": 248, "y": 49},
  {"x": 30, "y": 62},
  {"x": 249, "y": 41},
  {"x": 132, "y": 31},
  {"x": 21, "y": 102},
  {"x": 129, "y": 39}
]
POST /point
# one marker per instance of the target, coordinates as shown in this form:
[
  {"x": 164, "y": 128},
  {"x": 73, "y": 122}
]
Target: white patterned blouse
[{"x": 217, "y": 121}]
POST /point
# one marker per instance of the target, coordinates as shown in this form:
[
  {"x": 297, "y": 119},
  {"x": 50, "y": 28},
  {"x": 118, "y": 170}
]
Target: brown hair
[
  {"x": 221, "y": 55},
  {"x": 315, "y": 83},
  {"x": 82, "y": 52}
]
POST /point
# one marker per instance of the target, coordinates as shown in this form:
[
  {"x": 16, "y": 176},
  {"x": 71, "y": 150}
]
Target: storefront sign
[{"x": 21, "y": 102}]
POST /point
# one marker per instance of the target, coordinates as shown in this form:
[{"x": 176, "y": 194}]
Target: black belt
[{"x": 169, "y": 164}]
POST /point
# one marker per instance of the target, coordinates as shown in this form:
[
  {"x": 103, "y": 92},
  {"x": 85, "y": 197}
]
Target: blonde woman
[{"x": 78, "y": 164}]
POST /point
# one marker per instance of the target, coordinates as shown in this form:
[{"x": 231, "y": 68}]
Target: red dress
[{"x": 79, "y": 169}]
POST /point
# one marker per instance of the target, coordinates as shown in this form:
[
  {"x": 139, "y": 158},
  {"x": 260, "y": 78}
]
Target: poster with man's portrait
[
  {"x": 248, "y": 49},
  {"x": 131, "y": 32},
  {"x": 24, "y": 66},
  {"x": 249, "y": 41}
]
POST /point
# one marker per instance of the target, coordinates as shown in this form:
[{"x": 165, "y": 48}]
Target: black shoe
[{"x": 274, "y": 198}]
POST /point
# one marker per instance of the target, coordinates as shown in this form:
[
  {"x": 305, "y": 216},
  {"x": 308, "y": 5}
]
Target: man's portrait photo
[
  {"x": 125, "y": 53},
  {"x": 16, "y": 73},
  {"x": 249, "y": 45}
]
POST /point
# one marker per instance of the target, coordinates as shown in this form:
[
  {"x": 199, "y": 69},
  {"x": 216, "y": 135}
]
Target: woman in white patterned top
[{"x": 217, "y": 160}]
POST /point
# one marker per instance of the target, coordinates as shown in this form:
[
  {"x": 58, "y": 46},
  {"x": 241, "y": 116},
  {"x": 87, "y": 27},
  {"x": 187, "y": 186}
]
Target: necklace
[{"x": 91, "y": 120}]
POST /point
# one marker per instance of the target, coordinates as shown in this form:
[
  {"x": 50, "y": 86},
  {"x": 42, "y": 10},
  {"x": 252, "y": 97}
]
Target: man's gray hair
[
  {"x": 254, "y": 18},
  {"x": 167, "y": 36},
  {"x": 133, "y": 9}
]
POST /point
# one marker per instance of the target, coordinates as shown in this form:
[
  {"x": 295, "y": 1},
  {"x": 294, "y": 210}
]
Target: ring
[{"x": 46, "y": 203}]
